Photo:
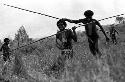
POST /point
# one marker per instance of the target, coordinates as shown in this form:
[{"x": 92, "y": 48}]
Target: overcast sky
[{"x": 38, "y": 26}]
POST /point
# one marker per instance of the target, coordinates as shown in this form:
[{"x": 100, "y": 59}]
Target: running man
[{"x": 91, "y": 31}]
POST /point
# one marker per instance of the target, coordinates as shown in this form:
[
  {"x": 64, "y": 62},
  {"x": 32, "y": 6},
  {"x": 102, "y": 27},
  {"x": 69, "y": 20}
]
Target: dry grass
[{"x": 82, "y": 68}]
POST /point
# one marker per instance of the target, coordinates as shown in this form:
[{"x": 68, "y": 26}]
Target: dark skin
[
  {"x": 66, "y": 44},
  {"x": 62, "y": 28},
  {"x": 73, "y": 34},
  {"x": 83, "y": 21},
  {"x": 3, "y": 48},
  {"x": 6, "y": 53},
  {"x": 113, "y": 31},
  {"x": 6, "y": 50},
  {"x": 91, "y": 32}
]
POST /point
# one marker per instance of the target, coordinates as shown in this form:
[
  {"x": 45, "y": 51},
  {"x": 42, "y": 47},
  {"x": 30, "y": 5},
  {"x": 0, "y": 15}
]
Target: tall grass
[{"x": 83, "y": 67}]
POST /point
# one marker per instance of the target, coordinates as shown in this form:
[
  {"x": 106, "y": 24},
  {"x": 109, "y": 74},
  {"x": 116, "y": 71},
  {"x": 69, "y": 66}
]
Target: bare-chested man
[
  {"x": 91, "y": 31},
  {"x": 64, "y": 39},
  {"x": 113, "y": 32}
]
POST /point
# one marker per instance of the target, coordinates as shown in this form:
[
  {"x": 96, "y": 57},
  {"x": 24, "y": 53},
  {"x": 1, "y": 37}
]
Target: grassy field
[{"x": 82, "y": 68}]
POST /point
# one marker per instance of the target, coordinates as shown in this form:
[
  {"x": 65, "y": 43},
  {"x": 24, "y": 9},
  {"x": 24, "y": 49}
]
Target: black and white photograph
[{"x": 62, "y": 41}]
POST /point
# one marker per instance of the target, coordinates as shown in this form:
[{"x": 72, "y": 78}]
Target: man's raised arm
[{"x": 72, "y": 21}]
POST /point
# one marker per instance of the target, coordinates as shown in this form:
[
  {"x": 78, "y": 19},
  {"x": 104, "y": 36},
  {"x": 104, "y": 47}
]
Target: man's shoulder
[
  {"x": 68, "y": 30},
  {"x": 3, "y": 45},
  {"x": 85, "y": 20},
  {"x": 58, "y": 33},
  {"x": 94, "y": 19}
]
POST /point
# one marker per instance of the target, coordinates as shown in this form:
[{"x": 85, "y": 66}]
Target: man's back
[{"x": 90, "y": 26}]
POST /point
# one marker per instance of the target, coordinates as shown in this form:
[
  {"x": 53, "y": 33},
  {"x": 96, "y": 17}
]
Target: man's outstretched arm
[
  {"x": 107, "y": 39},
  {"x": 73, "y": 21}
]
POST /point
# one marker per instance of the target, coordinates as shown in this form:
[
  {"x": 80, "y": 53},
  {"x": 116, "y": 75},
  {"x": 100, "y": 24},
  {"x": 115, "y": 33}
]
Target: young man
[
  {"x": 113, "y": 32},
  {"x": 64, "y": 39},
  {"x": 6, "y": 50},
  {"x": 91, "y": 31},
  {"x": 6, "y": 54}
]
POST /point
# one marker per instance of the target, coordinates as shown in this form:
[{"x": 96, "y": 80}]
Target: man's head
[
  {"x": 6, "y": 40},
  {"x": 61, "y": 24},
  {"x": 88, "y": 13}
]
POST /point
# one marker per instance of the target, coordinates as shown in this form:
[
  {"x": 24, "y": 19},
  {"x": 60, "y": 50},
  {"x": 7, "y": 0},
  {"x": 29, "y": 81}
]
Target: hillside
[{"x": 82, "y": 68}]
